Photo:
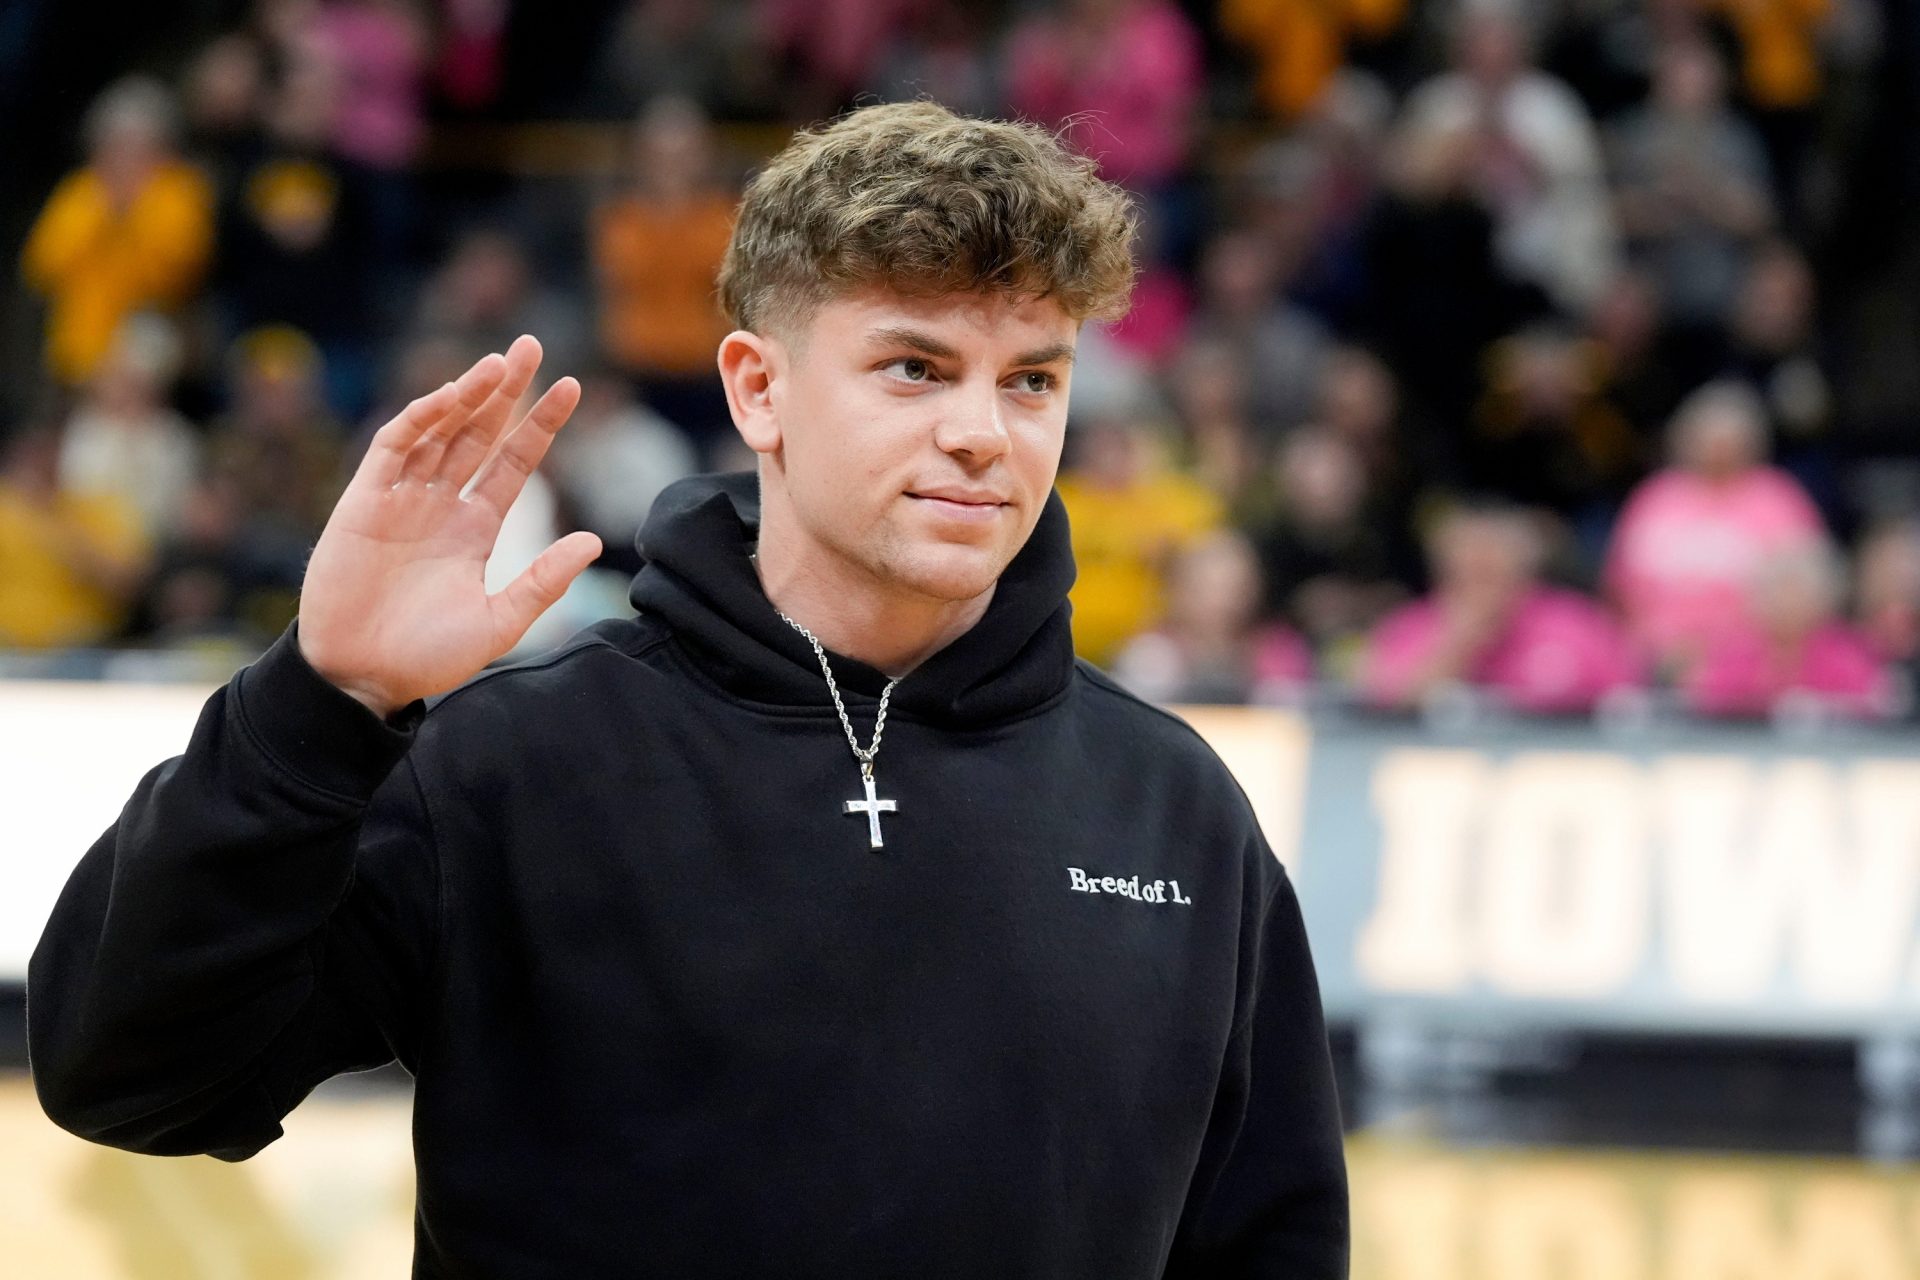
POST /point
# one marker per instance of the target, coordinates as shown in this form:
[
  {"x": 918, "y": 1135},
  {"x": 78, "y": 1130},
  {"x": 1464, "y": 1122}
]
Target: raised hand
[{"x": 395, "y": 606}]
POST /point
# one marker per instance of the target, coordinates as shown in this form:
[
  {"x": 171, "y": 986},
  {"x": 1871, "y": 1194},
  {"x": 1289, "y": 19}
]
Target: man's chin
[{"x": 951, "y": 573}]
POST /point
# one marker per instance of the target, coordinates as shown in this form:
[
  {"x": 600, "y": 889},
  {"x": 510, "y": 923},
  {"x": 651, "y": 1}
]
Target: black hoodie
[{"x": 668, "y": 1012}]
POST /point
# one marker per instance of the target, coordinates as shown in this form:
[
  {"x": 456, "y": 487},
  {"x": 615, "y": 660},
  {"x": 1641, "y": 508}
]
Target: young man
[{"x": 956, "y": 961}]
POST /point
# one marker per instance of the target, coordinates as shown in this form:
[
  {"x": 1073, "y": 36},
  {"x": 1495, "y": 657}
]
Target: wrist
[
  {"x": 380, "y": 704},
  {"x": 374, "y": 700}
]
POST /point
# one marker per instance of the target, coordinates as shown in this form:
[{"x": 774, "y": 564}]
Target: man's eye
[
  {"x": 1037, "y": 383},
  {"x": 912, "y": 369}
]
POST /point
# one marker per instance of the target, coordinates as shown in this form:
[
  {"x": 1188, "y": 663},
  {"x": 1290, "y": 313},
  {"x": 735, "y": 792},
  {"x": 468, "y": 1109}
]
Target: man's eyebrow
[
  {"x": 913, "y": 340},
  {"x": 927, "y": 344},
  {"x": 1053, "y": 354}
]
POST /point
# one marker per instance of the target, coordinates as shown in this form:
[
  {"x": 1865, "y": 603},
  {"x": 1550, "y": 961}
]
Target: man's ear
[{"x": 750, "y": 366}]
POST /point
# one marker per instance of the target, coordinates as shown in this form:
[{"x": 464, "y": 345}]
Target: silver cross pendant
[{"x": 872, "y": 806}]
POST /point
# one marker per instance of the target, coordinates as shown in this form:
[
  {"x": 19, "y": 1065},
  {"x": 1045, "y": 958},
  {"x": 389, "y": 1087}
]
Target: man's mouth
[{"x": 961, "y": 504}]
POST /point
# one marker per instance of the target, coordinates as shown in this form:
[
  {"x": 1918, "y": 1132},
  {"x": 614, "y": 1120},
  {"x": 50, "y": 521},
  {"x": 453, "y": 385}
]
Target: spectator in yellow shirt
[
  {"x": 1130, "y": 513},
  {"x": 656, "y": 251},
  {"x": 1781, "y": 80},
  {"x": 1298, "y": 46},
  {"x": 129, "y": 231},
  {"x": 69, "y": 563},
  {"x": 1779, "y": 48}
]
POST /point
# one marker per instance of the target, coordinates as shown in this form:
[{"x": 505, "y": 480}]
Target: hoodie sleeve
[
  {"x": 1269, "y": 1195},
  {"x": 262, "y": 915}
]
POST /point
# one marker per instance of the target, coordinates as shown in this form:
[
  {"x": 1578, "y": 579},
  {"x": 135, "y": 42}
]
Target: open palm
[{"x": 395, "y": 606}]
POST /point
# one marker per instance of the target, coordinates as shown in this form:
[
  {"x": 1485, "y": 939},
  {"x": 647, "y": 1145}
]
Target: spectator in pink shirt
[
  {"x": 1211, "y": 647},
  {"x": 1490, "y": 623},
  {"x": 1125, "y": 73},
  {"x": 1790, "y": 648},
  {"x": 1692, "y": 536},
  {"x": 379, "y": 49},
  {"x": 1887, "y": 591}
]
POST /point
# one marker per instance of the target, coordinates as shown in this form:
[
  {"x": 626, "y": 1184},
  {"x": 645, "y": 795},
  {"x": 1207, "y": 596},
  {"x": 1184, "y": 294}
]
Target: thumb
[{"x": 522, "y": 601}]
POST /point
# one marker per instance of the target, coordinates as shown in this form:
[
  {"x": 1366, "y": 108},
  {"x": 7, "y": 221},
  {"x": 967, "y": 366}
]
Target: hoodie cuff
[{"x": 316, "y": 731}]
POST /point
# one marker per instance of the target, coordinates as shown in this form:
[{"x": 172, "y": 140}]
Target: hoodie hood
[{"x": 698, "y": 580}]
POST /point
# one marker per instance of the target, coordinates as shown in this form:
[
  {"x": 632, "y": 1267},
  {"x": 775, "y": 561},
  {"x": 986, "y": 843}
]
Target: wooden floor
[{"x": 333, "y": 1199}]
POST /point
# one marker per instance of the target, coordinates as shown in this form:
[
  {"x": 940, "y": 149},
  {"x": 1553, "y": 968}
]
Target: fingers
[
  {"x": 471, "y": 443},
  {"x": 499, "y": 482},
  {"x": 520, "y": 602},
  {"x": 387, "y": 452},
  {"x": 431, "y": 420}
]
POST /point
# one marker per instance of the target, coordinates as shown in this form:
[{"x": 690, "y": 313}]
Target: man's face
[{"x": 918, "y": 438}]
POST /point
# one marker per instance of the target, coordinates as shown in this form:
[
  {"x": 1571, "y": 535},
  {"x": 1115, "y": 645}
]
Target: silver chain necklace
[{"x": 872, "y": 806}]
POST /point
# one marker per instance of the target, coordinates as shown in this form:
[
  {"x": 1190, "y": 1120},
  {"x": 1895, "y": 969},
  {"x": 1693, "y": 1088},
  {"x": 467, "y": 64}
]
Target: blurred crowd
[{"x": 1478, "y": 347}]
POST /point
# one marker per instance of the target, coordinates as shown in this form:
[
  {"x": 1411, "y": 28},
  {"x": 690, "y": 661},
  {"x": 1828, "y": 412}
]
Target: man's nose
[{"x": 975, "y": 425}]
